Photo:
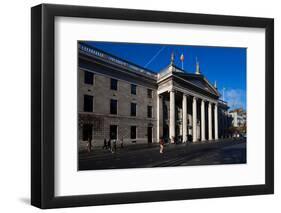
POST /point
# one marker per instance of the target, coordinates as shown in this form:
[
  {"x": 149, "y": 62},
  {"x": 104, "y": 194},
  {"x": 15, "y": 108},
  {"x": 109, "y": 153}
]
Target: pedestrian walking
[
  {"x": 89, "y": 145},
  {"x": 114, "y": 145},
  {"x": 161, "y": 143},
  {"x": 104, "y": 144},
  {"x": 109, "y": 144}
]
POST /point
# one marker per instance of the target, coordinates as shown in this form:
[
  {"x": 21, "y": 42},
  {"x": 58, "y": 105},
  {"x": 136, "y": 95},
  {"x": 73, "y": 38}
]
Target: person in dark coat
[
  {"x": 114, "y": 145},
  {"x": 109, "y": 144},
  {"x": 104, "y": 144},
  {"x": 90, "y": 143},
  {"x": 161, "y": 143}
]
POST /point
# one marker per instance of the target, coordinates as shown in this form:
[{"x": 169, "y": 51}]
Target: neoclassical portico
[
  {"x": 192, "y": 110},
  {"x": 198, "y": 125}
]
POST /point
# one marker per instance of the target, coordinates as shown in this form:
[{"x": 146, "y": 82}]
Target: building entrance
[
  {"x": 149, "y": 134},
  {"x": 113, "y": 132},
  {"x": 87, "y": 132}
]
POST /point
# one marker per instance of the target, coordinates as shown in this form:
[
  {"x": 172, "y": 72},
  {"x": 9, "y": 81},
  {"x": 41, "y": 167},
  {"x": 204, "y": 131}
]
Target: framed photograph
[{"x": 141, "y": 106}]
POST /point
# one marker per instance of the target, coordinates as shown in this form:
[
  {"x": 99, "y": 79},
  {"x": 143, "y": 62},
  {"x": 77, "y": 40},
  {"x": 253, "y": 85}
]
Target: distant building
[
  {"x": 225, "y": 120},
  {"x": 120, "y": 100},
  {"x": 239, "y": 117}
]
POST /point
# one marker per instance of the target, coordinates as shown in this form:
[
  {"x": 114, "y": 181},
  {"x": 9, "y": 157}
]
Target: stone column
[
  {"x": 216, "y": 122},
  {"x": 203, "y": 120},
  {"x": 194, "y": 119},
  {"x": 172, "y": 115},
  {"x": 159, "y": 118},
  {"x": 184, "y": 118},
  {"x": 210, "y": 121}
]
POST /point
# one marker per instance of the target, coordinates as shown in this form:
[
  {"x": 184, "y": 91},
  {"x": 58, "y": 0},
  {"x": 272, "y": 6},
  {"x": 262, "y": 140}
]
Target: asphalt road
[{"x": 146, "y": 156}]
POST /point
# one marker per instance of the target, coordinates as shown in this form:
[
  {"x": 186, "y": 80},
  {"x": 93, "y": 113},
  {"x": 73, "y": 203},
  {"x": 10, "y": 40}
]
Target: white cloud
[{"x": 235, "y": 98}]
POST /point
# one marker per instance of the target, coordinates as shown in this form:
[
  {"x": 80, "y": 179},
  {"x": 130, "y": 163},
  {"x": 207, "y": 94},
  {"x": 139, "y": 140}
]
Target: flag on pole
[{"x": 182, "y": 59}]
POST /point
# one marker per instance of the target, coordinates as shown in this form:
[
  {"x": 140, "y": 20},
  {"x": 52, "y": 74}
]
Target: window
[
  {"x": 133, "y": 89},
  {"x": 133, "y": 132},
  {"x": 113, "y": 107},
  {"x": 88, "y": 103},
  {"x": 113, "y": 132},
  {"x": 149, "y": 111},
  {"x": 113, "y": 84},
  {"x": 87, "y": 132},
  {"x": 133, "y": 109},
  {"x": 149, "y": 93},
  {"x": 88, "y": 78}
]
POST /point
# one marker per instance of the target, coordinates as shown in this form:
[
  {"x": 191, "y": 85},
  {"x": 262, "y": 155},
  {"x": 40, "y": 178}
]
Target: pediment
[{"x": 198, "y": 81}]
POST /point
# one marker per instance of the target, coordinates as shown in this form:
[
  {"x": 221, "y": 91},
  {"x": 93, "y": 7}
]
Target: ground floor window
[
  {"x": 149, "y": 134},
  {"x": 113, "y": 132},
  {"x": 133, "y": 133},
  {"x": 87, "y": 132}
]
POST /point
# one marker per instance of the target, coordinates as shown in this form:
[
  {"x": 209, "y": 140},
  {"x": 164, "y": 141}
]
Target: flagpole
[{"x": 182, "y": 59}]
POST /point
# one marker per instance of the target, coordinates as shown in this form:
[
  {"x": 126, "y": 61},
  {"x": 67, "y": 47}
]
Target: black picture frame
[{"x": 43, "y": 102}]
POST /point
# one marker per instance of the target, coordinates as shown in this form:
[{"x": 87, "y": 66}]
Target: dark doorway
[
  {"x": 177, "y": 136},
  {"x": 134, "y": 134},
  {"x": 87, "y": 131},
  {"x": 166, "y": 133},
  {"x": 113, "y": 132},
  {"x": 149, "y": 134}
]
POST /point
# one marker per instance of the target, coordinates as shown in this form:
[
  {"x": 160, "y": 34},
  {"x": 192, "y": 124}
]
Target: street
[{"x": 226, "y": 151}]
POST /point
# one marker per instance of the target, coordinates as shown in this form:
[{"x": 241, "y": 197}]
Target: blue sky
[{"x": 225, "y": 65}]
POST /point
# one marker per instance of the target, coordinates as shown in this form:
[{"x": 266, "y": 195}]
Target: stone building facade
[
  {"x": 239, "y": 117},
  {"x": 225, "y": 119},
  {"x": 120, "y": 100}
]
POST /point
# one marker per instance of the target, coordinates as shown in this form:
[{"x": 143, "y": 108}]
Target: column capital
[
  {"x": 195, "y": 98},
  {"x": 203, "y": 102},
  {"x": 185, "y": 94},
  {"x": 211, "y": 101}
]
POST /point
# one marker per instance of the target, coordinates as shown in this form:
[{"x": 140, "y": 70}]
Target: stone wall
[{"x": 101, "y": 119}]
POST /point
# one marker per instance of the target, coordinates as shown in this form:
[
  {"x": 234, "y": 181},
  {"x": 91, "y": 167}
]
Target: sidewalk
[
  {"x": 99, "y": 151},
  {"x": 147, "y": 155}
]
